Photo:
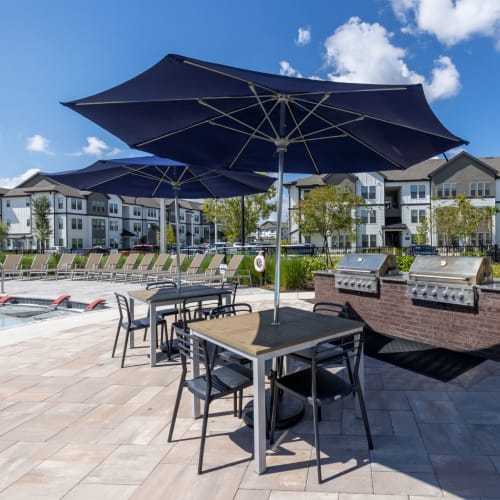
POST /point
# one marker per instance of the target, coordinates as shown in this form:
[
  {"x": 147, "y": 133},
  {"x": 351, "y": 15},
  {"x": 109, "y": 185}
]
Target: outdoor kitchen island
[{"x": 395, "y": 311}]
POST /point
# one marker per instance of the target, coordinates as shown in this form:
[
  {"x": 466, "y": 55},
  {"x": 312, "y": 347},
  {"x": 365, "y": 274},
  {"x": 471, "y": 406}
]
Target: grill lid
[
  {"x": 368, "y": 263},
  {"x": 457, "y": 270}
]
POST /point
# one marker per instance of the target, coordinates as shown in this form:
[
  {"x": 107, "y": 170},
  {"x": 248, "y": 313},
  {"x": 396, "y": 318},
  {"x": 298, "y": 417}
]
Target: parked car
[
  {"x": 56, "y": 249},
  {"x": 416, "y": 250},
  {"x": 99, "y": 249},
  {"x": 145, "y": 248},
  {"x": 494, "y": 253}
]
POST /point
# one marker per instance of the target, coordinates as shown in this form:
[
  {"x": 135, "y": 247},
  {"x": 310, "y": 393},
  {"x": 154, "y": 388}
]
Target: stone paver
[{"x": 74, "y": 425}]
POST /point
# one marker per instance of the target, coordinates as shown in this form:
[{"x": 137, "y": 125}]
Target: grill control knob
[
  {"x": 368, "y": 285},
  {"x": 414, "y": 290},
  {"x": 453, "y": 296},
  {"x": 434, "y": 292},
  {"x": 424, "y": 291},
  {"x": 445, "y": 294},
  {"x": 461, "y": 295}
]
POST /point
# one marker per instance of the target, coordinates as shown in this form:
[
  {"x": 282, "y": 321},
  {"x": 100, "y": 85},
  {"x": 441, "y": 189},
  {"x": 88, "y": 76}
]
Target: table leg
[
  {"x": 259, "y": 416},
  {"x": 152, "y": 334},
  {"x": 131, "y": 306},
  {"x": 195, "y": 409}
]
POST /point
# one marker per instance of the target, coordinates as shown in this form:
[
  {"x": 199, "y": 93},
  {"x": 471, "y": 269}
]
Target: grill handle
[
  {"x": 440, "y": 277},
  {"x": 354, "y": 270}
]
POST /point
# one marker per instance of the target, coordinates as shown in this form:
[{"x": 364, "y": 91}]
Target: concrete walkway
[{"x": 74, "y": 425}]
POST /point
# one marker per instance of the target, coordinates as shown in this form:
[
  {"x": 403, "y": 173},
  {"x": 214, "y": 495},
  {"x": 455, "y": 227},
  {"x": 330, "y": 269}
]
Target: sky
[{"x": 58, "y": 50}]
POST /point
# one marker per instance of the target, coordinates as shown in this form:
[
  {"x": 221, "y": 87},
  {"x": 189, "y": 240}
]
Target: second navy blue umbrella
[{"x": 155, "y": 177}]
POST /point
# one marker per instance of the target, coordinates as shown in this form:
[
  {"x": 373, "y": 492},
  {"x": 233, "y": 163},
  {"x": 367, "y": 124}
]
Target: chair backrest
[
  {"x": 12, "y": 261},
  {"x": 93, "y": 261},
  {"x": 233, "y": 265},
  {"x": 195, "y": 265},
  {"x": 160, "y": 262},
  {"x": 112, "y": 261},
  {"x": 123, "y": 307},
  {"x": 190, "y": 346},
  {"x": 161, "y": 284},
  {"x": 40, "y": 261},
  {"x": 146, "y": 260},
  {"x": 214, "y": 264},
  {"x": 65, "y": 261},
  {"x": 172, "y": 268},
  {"x": 347, "y": 348},
  {"x": 331, "y": 308},
  {"x": 130, "y": 261},
  {"x": 230, "y": 310},
  {"x": 233, "y": 286}
]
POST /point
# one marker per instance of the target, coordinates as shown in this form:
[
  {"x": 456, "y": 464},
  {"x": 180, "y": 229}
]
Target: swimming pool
[{"x": 19, "y": 314}]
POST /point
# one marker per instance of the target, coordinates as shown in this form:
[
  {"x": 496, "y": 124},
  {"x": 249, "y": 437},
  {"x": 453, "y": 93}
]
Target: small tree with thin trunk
[{"x": 42, "y": 231}]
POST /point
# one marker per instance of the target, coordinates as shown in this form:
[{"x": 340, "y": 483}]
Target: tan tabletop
[{"x": 254, "y": 336}]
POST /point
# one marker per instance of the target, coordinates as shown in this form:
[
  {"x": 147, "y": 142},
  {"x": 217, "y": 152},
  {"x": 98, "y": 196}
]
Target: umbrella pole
[
  {"x": 162, "y": 225},
  {"x": 281, "y": 149},
  {"x": 177, "y": 241}
]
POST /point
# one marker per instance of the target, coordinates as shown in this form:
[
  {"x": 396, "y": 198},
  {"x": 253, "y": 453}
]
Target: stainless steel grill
[
  {"x": 452, "y": 280},
  {"x": 361, "y": 272}
]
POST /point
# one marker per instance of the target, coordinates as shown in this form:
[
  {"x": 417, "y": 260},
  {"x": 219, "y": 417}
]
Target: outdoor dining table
[
  {"x": 256, "y": 338},
  {"x": 157, "y": 297}
]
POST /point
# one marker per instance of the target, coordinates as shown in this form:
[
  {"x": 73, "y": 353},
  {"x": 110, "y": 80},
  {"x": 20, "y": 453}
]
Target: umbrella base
[{"x": 290, "y": 411}]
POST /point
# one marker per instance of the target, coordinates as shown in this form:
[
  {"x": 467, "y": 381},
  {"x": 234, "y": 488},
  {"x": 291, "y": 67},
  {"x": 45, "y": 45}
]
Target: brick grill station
[{"x": 392, "y": 312}]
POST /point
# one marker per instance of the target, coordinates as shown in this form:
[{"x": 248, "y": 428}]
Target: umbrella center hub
[{"x": 281, "y": 144}]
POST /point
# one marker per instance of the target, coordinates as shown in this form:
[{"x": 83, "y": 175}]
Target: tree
[
  {"x": 488, "y": 214},
  {"x": 41, "y": 220},
  {"x": 422, "y": 231},
  {"x": 327, "y": 210},
  {"x": 227, "y": 212},
  {"x": 169, "y": 235},
  {"x": 4, "y": 233}
]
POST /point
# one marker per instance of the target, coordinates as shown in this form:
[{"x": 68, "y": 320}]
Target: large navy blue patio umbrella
[
  {"x": 206, "y": 113},
  {"x": 155, "y": 177}
]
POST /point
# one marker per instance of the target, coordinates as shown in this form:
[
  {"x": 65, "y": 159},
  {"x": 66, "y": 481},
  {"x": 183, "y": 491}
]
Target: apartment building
[
  {"x": 398, "y": 200},
  {"x": 82, "y": 219}
]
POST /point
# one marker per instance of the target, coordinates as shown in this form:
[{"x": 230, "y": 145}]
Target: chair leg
[
  {"x": 116, "y": 340},
  {"x": 176, "y": 407},
  {"x": 364, "y": 414},
  {"x": 316, "y": 440},
  {"x": 203, "y": 434},
  {"x": 125, "y": 347},
  {"x": 274, "y": 407}
]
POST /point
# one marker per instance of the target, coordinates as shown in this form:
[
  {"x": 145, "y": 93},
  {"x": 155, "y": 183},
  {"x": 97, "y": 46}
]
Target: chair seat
[
  {"x": 225, "y": 380},
  {"x": 169, "y": 311},
  {"x": 330, "y": 387},
  {"x": 139, "y": 323}
]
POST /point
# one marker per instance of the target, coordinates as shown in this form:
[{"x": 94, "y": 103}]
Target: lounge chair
[
  {"x": 39, "y": 266},
  {"x": 171, "y": 272},
  {"x": 64, "y": 266},
  {"x": 193, "y": 268},
  {"x": 92, "y": 263},
  {"x": 12, "y": 265},
  {"x": 233, "y": 272},
  {"x": 211, "y": 272},
  {"x": 158, "y": 267},
  {"x": 107, "y": 270},
  {"x": 127, "y": 267},
  {"x": 142, "y": 267}
]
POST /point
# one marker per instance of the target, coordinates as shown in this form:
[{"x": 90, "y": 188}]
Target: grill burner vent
[
  {"x": 451, "y": 280},
  {"x": 361, "y": 272}
]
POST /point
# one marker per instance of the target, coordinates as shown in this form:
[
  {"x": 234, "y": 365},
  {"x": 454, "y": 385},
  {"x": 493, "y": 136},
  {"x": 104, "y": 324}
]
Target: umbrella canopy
[
  {"x": 201, "y": 112},
  {"x": 154, "y": 177}
]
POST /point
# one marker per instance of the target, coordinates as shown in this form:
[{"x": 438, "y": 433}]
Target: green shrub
[
  {"x": 293, "y": 273},
  {"x": 404, "y": 262},
  {"x": 312, "y": 264}
]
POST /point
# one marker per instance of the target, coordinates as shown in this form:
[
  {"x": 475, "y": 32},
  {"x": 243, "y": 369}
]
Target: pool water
[{"x": 18, "y": 314}]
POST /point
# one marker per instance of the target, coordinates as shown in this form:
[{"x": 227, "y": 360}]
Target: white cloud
[
  {"x": 10, "y": 182},
  {"x": 303, "y": 36},
  {"x": 451, "y": 21},
  {"x": 38, "y": 144},
  {"x": 363, "y": 52},
  {"x": 95, "y": 147},
  {"x": 288, "y": 70}
]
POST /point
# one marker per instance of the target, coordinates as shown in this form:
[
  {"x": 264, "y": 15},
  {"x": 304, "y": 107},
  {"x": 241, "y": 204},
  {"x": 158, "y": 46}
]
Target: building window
[
  {"x": 479, "y": 189},
  {"x": 137, "y": 228},
  {"x": 418, "y": 216},
  {"x": 447, "y": 190},
  {"x": 60, "y": 222},
  {"x": 98, "y": 225},
  {"x": 8, "y": 222},
  {"x": 368, "y": 216},
  {"x": 76, "y": 243},
  {"x": 60, "y": 202},
  {"x": 113, "y": 225},
  {"x": 152, "y": 213},
  {"x": 28, "y": 222},
  {"x": 305, "y": 192},
  {"x": 60, "y": 242},
  {"x": 136, "y": 211},
  {"x": 7, "y": 203},
  {"x": 76, "y": 204},
  {"x": 368, "y": 240},
  {"x": 98, "y": 241},
  {"x": 98, "y": 206},
  {"x": 417, "y": 191},
  {"x": 113, "y": 207},
  {"x": 76, "y": 224},
  {"x": 28, "y": 202},
  {"x": 368, "y": 192}
]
